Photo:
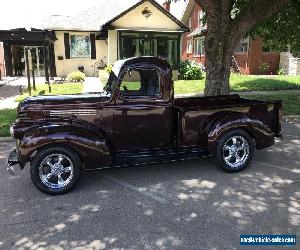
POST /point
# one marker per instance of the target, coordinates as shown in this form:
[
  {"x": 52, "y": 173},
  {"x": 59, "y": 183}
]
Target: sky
[{"x": 29, "y": 13}]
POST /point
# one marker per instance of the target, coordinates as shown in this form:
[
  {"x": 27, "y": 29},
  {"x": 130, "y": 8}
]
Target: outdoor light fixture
[{"x": 146, "y": 12}]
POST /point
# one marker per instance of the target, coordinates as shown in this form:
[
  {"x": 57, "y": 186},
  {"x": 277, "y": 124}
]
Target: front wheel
[
  {"x": 235, "y": 151},
  {"x": 55, "y": 170}
]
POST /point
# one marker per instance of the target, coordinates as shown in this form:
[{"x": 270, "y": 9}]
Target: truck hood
[{"x": 58, "y": 101}]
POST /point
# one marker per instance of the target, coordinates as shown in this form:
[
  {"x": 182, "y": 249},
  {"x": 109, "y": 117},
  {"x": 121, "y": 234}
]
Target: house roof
[
  {"x": 101, "y": 15},
  {"x": 90, "y": 19},
  {"x": 198, "y": 32},
  {"x": 155, "y": 4}
]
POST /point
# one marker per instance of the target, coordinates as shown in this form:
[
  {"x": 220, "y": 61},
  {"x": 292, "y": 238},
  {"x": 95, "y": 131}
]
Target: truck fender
[
  {"x": 83, "y": 140},
  {"x": 259, "y": 131}
]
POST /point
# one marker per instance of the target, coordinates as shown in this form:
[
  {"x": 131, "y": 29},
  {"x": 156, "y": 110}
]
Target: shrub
[
  {"x": 76, "y": 76},
  {"x": 280, "y": 71},
  {"x": 190, "y": 70},
  {"x": 108, "y": 68},
  {"x": 264, "y": 67}
]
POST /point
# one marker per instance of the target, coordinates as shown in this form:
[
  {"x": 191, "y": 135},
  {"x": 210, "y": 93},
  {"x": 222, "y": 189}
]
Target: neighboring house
[
  {"x": 250, "y": 55},
  {"x": 96, "y": 37},
  {"x": 2, "y": 68}
]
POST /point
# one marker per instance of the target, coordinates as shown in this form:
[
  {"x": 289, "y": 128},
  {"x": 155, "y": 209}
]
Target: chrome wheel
[
  {"x": 236, "y": 151},
  {"x": 56, "y": 171}
]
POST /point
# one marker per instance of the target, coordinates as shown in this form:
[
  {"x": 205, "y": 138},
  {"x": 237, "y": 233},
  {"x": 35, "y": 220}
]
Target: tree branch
[{"x": 255, "y": 12}]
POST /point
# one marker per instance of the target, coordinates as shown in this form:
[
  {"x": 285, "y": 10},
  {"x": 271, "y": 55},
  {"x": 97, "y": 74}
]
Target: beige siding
[
  {"x": 112, "y": 46},
  {"x": 69, "y": 65},
  {"x": 136, "y": 21}
]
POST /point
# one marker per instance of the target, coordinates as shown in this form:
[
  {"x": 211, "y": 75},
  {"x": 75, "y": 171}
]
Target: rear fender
[
  {"x": 259, "y": 131},
  {"x": 90, "y": 145}
]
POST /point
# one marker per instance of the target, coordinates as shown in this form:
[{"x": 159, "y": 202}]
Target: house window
[
  {"x": 189, "y": 46},
  {"x": 199, "y": 46},
  {"x": 190, "y": 22},
  {"x": 243, "y": 46},
  {"x": 134, "y": 44},
  {"x": 80, "y": 46},
  {"x": 200, "y": 18}
]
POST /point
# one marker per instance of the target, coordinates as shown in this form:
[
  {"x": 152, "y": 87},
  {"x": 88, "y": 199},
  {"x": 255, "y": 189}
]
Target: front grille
[{"x": 78, "y": 112}]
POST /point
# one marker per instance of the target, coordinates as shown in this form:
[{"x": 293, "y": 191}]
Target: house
[
  {"x": 96, "y": 37},
  {"x": 250, "y": 57}
]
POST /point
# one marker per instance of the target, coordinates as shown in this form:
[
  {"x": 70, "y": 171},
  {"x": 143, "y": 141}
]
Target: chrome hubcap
[
  {"x": 56, "y": 171},
  {"x": 236, "y": 151}
]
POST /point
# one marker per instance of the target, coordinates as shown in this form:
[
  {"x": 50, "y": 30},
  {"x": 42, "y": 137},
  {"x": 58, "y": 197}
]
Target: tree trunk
[
  {"x": 219, "y": 50},
  {"x": 218, "y": 72}
]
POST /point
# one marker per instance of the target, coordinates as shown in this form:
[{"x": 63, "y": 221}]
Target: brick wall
[
  {"x": 257, "y": 57},
  {"x": 185, "y": 38},
  {"x": 2, "y": 60}
]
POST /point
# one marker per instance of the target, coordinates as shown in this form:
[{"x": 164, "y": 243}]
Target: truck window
[{"x": 140, "y": 83}]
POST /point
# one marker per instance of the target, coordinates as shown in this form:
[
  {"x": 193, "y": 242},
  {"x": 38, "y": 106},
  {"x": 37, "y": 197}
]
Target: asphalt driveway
[{"x": 184, "y": 205}]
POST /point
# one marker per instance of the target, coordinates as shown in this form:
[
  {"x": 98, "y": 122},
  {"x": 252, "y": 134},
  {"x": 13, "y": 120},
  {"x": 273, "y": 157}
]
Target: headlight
[{"x": 11, "y": 130}]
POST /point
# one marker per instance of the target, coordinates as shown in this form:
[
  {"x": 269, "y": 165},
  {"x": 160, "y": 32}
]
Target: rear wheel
[
  {"x": 235, "y": 151},
  {"x": 55, "y": 170}
]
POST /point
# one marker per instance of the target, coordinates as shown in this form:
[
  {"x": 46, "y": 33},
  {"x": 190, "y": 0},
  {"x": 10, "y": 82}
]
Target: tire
[
  {"x": 229, "y": 157},
  {"x": 55, "y": 170}
]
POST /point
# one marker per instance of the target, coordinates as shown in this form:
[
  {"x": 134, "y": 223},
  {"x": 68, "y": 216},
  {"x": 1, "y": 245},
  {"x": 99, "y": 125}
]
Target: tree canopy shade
[
  {"x": 228, "y": 21},
  {"x": 282, "y": 31}
]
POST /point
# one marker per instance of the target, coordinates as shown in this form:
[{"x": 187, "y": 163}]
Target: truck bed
[
  {"x": 194, "y": 113},
  {"x": 211, "y": 102}
]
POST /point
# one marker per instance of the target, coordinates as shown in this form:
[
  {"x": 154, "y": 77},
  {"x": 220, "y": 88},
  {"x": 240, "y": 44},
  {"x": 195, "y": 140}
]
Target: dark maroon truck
[{"x": 136, "y": 120}]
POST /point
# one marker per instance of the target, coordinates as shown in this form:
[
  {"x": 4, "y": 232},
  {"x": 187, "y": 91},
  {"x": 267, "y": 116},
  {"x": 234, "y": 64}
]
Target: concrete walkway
[{"x": 92, "y": 85}]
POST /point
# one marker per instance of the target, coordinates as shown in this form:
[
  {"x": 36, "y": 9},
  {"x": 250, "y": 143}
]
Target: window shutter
[
  {"x": 67, "y": 45},
  {"x": 93, "y": 46}
]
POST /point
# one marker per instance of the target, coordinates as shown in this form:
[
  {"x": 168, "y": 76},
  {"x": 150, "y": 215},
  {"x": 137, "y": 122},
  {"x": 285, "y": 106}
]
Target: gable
[{"x": 159, "y": 20}]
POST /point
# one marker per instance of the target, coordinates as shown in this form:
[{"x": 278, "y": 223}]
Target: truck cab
[{"x": 136, "y": 120}]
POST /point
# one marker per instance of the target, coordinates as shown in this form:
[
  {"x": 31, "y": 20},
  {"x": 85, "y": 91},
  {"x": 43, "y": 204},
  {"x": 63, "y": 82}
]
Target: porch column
[
  {"x": 52, "y": 60},
  {"x": 8, "y": 59},
  {"x": 37, "y": 61},
  {"x": 46, "y": 60}
]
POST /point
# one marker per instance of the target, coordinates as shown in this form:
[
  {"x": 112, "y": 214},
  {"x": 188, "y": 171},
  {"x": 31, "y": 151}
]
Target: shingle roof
[
  {"x": 89, "y": 20},
  {"x": 93, "y": 18}
]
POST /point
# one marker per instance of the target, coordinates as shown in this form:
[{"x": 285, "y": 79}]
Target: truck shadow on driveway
[{"x": 184, "y": 205}]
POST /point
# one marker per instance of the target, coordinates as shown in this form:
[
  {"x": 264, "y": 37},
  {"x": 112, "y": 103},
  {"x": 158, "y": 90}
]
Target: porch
[{"x": 41, "y": 52}]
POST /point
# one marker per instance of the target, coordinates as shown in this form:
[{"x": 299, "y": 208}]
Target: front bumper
[{"x": 12, "y": 160}]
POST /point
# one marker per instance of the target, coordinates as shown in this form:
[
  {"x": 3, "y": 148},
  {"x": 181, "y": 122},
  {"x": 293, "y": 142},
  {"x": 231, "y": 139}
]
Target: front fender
[
  {"x": 262, "y": 135},
  {"x": 91, "y": 147}
]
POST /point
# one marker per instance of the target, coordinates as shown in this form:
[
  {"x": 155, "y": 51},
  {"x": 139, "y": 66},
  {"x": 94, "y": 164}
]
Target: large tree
[{"x": 228, "y": 21}]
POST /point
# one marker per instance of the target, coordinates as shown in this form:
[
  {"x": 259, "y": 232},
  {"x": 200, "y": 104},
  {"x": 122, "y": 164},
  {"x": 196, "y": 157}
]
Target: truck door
[{"x": 141, "y": 118}]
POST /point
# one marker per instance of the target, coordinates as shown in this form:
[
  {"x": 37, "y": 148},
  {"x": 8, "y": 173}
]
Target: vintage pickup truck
[{"x": 136, "y": 120}]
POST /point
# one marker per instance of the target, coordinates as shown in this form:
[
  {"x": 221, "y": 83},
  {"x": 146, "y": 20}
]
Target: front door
[{"x": 141, "y": 119}]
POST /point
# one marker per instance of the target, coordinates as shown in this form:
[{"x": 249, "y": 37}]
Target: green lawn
[
  {"x": 7, "y": 117},
  {"x": 242, "y": 83},
  {"x": 56, "y": 89}
]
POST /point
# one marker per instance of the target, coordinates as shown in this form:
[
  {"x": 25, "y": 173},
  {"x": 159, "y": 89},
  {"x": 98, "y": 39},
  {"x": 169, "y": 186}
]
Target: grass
[
  {"x": 56, "y": 89},
  {"x": 239, "y": 83},
  {"x": 7, "y": 117},
  {"x": 263, "y": 83},
  {"x": 291, "y": 102}
]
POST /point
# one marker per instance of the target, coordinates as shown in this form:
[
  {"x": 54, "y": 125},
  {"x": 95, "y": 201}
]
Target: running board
[{"x": 155, "y": 156}]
